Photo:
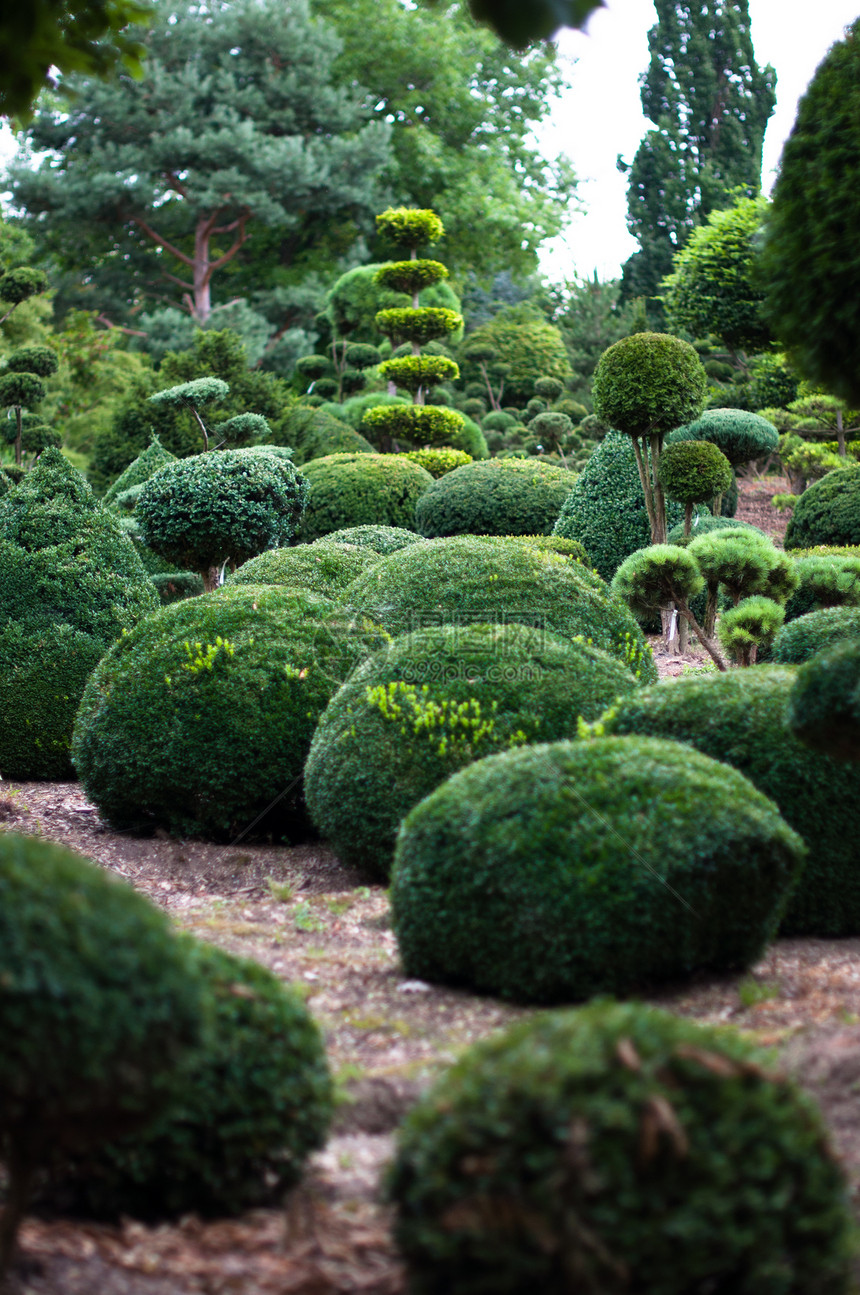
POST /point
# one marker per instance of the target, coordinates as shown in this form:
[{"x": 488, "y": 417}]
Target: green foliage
[
  {"x": 439, "y": 461},
  {"x": 361, "y": 356},
  {"x": 825, "y": 581},
  {"x": 430, "y": 703},
  {"x": 749, "y": 627},
  {"x": 321, "y": 568},
  {"x": 352, "y": 411},
  {"x": 412, "y": 372},
  {"x": 810, "y": 259},
  {"x": 740, "y": 718},
  {"x": 467, "y": 578},
  {"x": 418, "y": 324},
  {"x": 657, "y": 576},
  {"x": 593, "y": 1143},
  {"x": 208, "y": 749},
  {"x": 240, "y": 429},
  {"x": 256, "y": 1101},
  {"x": 313, "y": 367},
  {"x": 414, "y": 423},
  {"x": 496, "y": 497},
  {"x": 828, "y": 512},
  {"x": 319, "y": 434},
  {"x": 152, "y": 460},
  {"x": 815, "y": 632},
  {"x": 509, "y": 878},
  {"x": 703, "y": 524},
  {"x": 648, "y": 384},
  {"x": 527, "y": 346},
  {"x": 173, "y": 586},
  {"x": 409, "y": 226},
  {"x": 70, "y": 583},
  {"x": 549, "y": 388},
  {"x": 740, "y": 435},
  {"x": 694, "y": 471},
  {"x": 498, "y": 421},
  {"x": 356, "y": 298},
  {"x": 347, "y": 490},
  {"x": 411, "y": 276},
  {"x": 743, "y": 563},
  {"x": 824, "y": 707},
  {"x": 215, "y": 507},
  {"x": 382, "y": 539},
  {"x": 192, "y": 395},
  {"x": 21, "y": 283},
  {"x": 41, "y": 360},
  {"x": 21, "y": 389}
]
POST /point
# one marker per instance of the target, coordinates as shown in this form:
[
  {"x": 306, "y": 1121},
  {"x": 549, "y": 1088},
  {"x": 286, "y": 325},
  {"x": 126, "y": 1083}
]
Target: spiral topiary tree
[{"x": 412, "y": 228}]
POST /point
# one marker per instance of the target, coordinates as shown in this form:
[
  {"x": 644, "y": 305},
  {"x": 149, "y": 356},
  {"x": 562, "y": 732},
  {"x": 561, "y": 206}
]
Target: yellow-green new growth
[
  {"x": 200, "y": 658},
  {"x": 455, "y": 729}
]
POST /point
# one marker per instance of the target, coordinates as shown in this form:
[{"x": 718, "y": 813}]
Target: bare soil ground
[{"x": 321, "y": 926}]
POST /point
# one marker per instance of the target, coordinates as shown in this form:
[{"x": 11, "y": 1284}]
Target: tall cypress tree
[{"x": 710, "y": 103}]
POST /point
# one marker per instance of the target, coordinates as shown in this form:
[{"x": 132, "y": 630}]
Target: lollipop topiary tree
[
  {"x": 411, "y": 228},
  {"x": 22, "y": 385},
  {"x": 694, "y": 472}
]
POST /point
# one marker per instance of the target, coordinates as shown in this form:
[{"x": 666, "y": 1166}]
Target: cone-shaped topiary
[
  {"x": 496, "y": 497},
  {"x": 100, "y": 1004},
  {"x": 256, "y": 1101},
  {"x": 382, "y": 539},
  {"x": 200, "y": 720},
  {"x": 828, "y": 512},
  {"x": 587, "y": 1151},
  {"x": 70, "y": 584},
  {"x": 322, "y": 568},
  {"x": 509, "y": 877},
  {"x": 432, "y": 702},
  {"x": 802, "y": 638},
  {"x": 349, "y": 490},
  {"x": 740, "y": 717},
  {"x": 214, "y": 508},
  {"x": 824, "y": 708},
  {"x": 466, "y": 579},
  {"x": 153, "y": 458}
]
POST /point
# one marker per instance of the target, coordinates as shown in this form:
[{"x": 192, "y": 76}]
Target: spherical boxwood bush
[
  {"x": 800, "y": 639},
  {"x": 430, "y": 703},
  {"x": 200, "y": 720},
  {"x": 466, "y": 579},
  {"x": 824, "y": 709},
  {"x": 323, "y": 568},
  {"x": 496, "y": 497},
  {"x": 828, "y": 512},
  {"x": 256, "y": 1101},
  {"x": 510, "y": 878},
  {"x": 618, "y": 1148},
  {"x": 740, "y": 718},
  {"x": 694, "y": 471},
  {"x": 100, "y": 1005},
  {"x": 649, "y": 383},
  {"x": 348, "y": 490},
  {"x": 382, "y": 539}
]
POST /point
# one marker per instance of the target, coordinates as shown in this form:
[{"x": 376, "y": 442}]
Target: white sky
[{"x": 601, "y": 116}]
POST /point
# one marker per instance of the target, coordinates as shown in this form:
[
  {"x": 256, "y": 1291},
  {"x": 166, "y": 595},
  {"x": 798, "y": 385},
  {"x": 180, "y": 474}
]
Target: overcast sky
[{"x": 601, "y": 115}]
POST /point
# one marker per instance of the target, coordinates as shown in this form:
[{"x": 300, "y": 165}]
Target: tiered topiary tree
[
  {"x": 22, "y": 387},
  {"x": 411, "y": 229},
  {"x": 192, "y": 396}
]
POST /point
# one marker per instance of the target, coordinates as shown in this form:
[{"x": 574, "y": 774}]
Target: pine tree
[{"x": 710, "y": 103}]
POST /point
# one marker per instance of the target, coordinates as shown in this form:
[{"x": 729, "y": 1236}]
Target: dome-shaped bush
[
  {"x": 432, "y": 702},
  {"x": 740, "y": 717},
  {"x": 828, "y": 512},
  {"x": 510, "y": 878},
  {"x": 705, "y": 523},
  {"x": 740, "y": 435},
  {"x": 382, "y": 539},
  {"x": 692, "y": 472},
  {"x": 321, "y": 434},
  {"x": 348, "y": 490},
  {"x": 466, "y": 579},
  {"x": 322, "y": 568},
  {"x": 439, "y": 461},
  {"x": 826, "y": 580},
  {"x": 824, "y": 709},
  {"x": 200, "y": 720},
  {"x": 256, "y": 1100},
  {"x": 70, "y": 584},
  {"x": 617, "y": 1149},
  {"x": 100, "y": 1004},
  {"x": 496, "y": 497},
  {"x": 800, "y": 639},
  {"x": 649, "y": 383}
]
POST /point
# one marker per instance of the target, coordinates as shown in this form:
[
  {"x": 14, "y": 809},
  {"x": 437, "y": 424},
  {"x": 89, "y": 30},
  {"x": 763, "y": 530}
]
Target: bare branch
[{"x": 161, "y": 241}]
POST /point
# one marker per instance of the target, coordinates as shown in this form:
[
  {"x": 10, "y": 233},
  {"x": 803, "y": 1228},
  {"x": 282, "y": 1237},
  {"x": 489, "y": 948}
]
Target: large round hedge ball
[
  {"x": 616, "y": 1149},
  {"x": 432, "y": 702},
  {"x": 739, "y": 434},
  {"x": 323, "y": 568},
  {"x": 200, "y": 720},
  {"x": 828, "y": 512},
  {"x": 466, "y": 579},
  {"x": 553, "y": 873},
  {"x": 382, "y": 539},
  {"x": 704, "y": 524},
  {"x": 649, "y": 383},
  {"x": 256, "y": 1100},
  {"x": 800, "y": 639},
  {"x": 495, "y": 497},
  {"x": 824, "y": 710},
  {"x": 348, "y": 490},
  {"x": 694, "y": 471},
  {"x": 740, "y": 718}
]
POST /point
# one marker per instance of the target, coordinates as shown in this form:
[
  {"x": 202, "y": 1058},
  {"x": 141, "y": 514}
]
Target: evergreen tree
[{"x": 710, "y": 103}]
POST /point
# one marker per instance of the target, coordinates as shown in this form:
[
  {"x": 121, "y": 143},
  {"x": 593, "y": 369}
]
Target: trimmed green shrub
[
  {"x": 692, "y": 472},
  {"x": 521, "y": 339},
  {"x": 618, "y": 1148},
  {"x": 322, "y": 434},
  {"x": 382, "y": 539},
  {"x": 825, "y": 581},
  {"x": 153, "y": 458},
  {"x": 498, "y": 421},
  {"x": 466, "y": 579},
  {"x": 824, "y": 708},
  {"x": 213, "y": 508},
  {"x": 471, "y": 440},
  {"x": 742, "y": 563},
  {"x": 348, "y": 490},
  {"x": 439, "y": 461},
  {"x": 509, "y": 878},
  {"x": 740, "y": 435},
  {"x": 828, "y": 512},
  {"x": 430, "y": 703},
  {"x": 418, "y": 324},
  {"x": 740, "y": 717},
  {"x": 257, "y": 1100},
  {"x": 352, "y": 411},
  {"x": 704, "y": 523},
  {"x": 802, "y": 638},
  {"x": 412, "y": 372},
  {"x": 750, "y": 627},
  {"x": 413, "y": 423},
  {"x": 173, "y": 586},
  {"x": 496, "y": 497},
  {"x": 100, "y": 1006},
  {"x": 322, "y": 568},
  {"x": 605, "y": 510},
  {"x": 200, "y": 720},
  {"x": 549, "y": 388},
  {"x": 410, "y": 226},
  {"x": 558, "y": 544},
  {"x": 70, "y": 583}
]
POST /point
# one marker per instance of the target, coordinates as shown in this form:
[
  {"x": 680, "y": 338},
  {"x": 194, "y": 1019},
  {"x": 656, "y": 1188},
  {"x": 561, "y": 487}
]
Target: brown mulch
[{"x": 754, "y": 506}]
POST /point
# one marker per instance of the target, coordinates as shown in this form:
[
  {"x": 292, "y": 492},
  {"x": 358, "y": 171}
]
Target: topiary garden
[{"x": 499, "y": 497}]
